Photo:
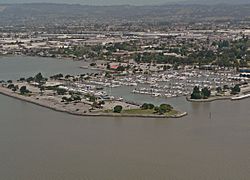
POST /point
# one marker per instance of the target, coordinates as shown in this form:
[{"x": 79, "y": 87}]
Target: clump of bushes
[
  {"x": 117, "y": 109},
  {"x": 147, "y": 106},
  {"x": 204, "y": 93},
  {"x": 162, "y": 109}
]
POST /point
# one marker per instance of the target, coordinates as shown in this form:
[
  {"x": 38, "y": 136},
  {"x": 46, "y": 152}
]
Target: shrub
[
  {"x": 61, "y": 91},
  {"x": 236, "y": 89},
  {"x": 151, "y": 106},
  {"x": 117, "y": 109},
  {"x": 196, "y": 96},
  {"x": 24, "y": 90},
  {"x": 11, "y": 86},
  {"x": 206, "y": 92},
  {"x": 165, "y": 108},
  {"x": 147, "y": 106},
  {"x": 144, "y": 106}
]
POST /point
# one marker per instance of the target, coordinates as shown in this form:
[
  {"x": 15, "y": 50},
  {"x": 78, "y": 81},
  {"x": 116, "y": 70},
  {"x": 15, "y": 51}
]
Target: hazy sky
[{"x": 94, "y": 2}]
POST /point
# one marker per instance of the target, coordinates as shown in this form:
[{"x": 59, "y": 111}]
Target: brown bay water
[
  {"x": 14, "y": 67},
  {"x": 40, "y": 144}
]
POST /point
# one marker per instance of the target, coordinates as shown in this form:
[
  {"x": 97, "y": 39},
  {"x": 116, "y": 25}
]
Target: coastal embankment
[
  {"x": 217, "y": 98},
  {"x": 48, "y": 104},
  {"x": 211, "y": 99}
]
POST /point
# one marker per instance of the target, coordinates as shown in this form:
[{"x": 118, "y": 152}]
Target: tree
[
  {"x": 117, "y": 109},
  {"x": 165, "y": 108},
  {"x": 67, "y": 99},
  {"x": 196, "y": 89},
  {"x": 156, "y": 109},
  {"x": 57, "y": 76},
  {"x": 76, "y": 97},
  {"x": 92, "y": 98},
  {"x": 92, "y": 64},
  {"x": 108, "y": 66},
  {"x": 151, "y": 106},
  {"x": 236, "y": 89},
  {"x": 196, "y": 96},
  {"x": 15, "y": 88},
  {"x": 30, "y": 79},
  {"x": 108, "y": 75},
  {"x": 219, "y": 89},
  {"x": 23, "y": 90},
  {"x": 22, "y": 79},
  {"x": 11, "y": 86},
  {"x": 38, "y": 78},
  {"x": 42, "y": 89},
  {"x": 64, "y": 98},
  {"x": 147, "y": 106},
  {"x": 144, "y": 106},
  {"x": 205, "y": 92},
  {"x": 120, "y": 68},
  {"x": 61, "y": 91},
  {"x": 101, "y": 103},
  {"x": 196, "y": 93},
  {"x": 68, "y": 76},
  {"x": 161, "y": 111}
]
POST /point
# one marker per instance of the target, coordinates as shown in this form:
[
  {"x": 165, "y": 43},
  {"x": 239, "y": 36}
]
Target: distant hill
[
  {"x": 44, "y": 13},
  {"x": 214, "y": 2}
]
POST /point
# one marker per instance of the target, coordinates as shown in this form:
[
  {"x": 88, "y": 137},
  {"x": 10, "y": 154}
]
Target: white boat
[
  {"x": 240, "y": 97},
  {"x": 136, "y": 91},
  {"x": 119, "y": 99}
]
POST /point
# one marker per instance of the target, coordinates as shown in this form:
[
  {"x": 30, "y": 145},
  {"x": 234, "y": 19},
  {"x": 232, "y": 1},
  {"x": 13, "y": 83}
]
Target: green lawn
[
  {"x": 142, "y": 112},
  {"x": 138, "y": 111}
]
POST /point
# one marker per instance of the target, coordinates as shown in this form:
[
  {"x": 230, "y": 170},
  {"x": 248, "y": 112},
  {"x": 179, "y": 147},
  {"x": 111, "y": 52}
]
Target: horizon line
[{"x": 132, "y": 5}]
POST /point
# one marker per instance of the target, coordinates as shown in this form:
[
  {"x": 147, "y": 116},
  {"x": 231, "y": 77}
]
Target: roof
[{"x": 114, "y": 67}]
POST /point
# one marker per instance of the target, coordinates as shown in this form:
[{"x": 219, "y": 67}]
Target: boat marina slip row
[{"x": 91, "y": 93}]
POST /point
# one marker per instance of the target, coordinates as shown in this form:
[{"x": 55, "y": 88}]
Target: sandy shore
[{"x": 45, "y": 102}]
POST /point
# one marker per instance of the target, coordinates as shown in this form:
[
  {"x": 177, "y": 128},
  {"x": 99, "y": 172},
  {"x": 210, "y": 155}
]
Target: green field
[{"x": 142, "y": 112}]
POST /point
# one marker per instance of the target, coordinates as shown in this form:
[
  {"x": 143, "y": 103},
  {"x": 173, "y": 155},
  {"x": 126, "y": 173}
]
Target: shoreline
[
  {"x": 209, "y": 99},
  {"x": 232, "y": 98},
  {"x": 57, "y": 58},
  {"x": 4, "y": 91}
]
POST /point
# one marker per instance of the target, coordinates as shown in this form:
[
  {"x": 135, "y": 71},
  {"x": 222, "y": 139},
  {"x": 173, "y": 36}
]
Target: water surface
[
  {"x": 40, "y": 144},
  {"x": 14, "y": 67}
]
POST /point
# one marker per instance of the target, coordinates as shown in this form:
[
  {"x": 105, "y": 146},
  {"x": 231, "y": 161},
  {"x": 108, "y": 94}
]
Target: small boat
[{"x": 240, "y": 97}]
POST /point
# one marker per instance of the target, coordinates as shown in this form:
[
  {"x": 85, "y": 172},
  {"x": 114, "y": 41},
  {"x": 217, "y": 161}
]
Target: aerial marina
[
  {"x": 124, "y": 90},
  {"x": 76, "y": 96},
  {"x": 90, "y": 94}
]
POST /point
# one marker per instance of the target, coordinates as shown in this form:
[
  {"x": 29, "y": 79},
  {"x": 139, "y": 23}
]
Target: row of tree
[
  {"x": 162, "y": 109},
  {"x": 204, "y": 93}
]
